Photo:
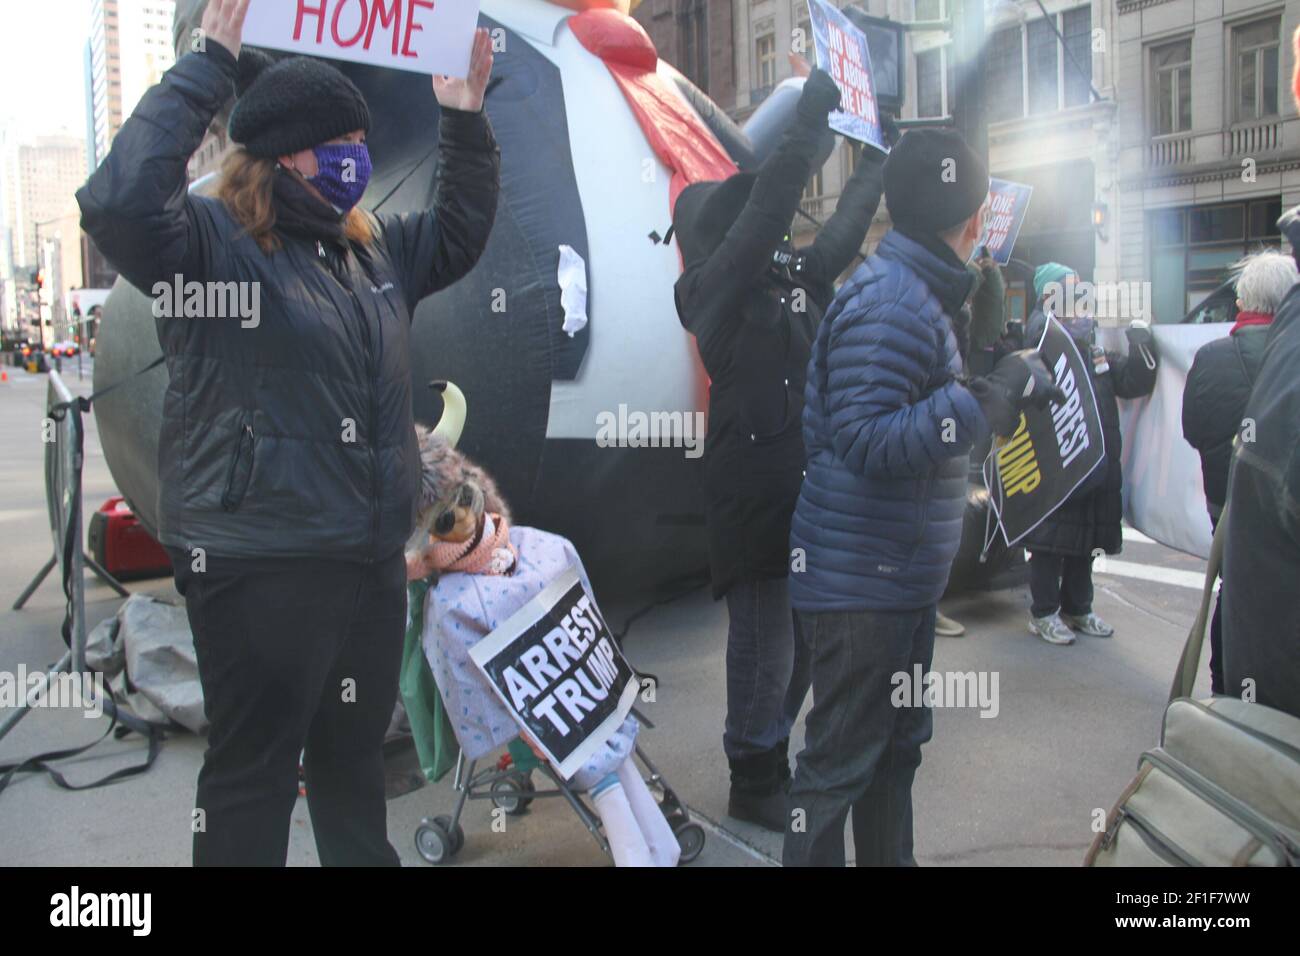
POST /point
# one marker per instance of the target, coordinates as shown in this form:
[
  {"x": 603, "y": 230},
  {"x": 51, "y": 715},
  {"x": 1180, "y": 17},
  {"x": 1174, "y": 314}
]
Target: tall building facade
[
  {"x": 696, "y": 37},
  {"x": 130, "y": 49},
  {"x": 1209, "y": 145}
]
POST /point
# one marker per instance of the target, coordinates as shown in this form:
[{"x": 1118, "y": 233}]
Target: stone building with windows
[{"x": 1209, "y": 140}]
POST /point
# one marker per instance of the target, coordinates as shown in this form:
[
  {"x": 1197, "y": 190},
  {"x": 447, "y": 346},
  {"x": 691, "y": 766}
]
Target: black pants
[
  {"x": 861, "y": 751},
  {"x": 1060, "y": 583},
  {"x": 1216, "y": 634},
  {"x": 294, "y": 655}
]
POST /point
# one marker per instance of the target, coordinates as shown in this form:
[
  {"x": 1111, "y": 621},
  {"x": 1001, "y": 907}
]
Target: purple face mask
[{"x": 343, "y": 172}]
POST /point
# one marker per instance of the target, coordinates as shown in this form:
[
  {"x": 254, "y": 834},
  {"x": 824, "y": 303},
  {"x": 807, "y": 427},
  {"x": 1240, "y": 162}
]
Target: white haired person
[
  {"x": 287, "y": 459},
  {"x": 1218, "y": 388}
]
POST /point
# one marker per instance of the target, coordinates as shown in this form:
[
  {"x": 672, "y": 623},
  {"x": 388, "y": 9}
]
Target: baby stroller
[
  {"x": 510, "y": 787},
  {"x": 446, "y": 620}
]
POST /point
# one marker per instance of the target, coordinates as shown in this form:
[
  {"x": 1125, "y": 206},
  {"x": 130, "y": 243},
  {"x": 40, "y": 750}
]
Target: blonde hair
[{"x": 246, "y": 190}]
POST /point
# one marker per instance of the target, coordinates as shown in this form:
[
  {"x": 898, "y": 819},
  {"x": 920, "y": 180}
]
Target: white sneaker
[
  {"x": 945, "y": 626},
  {"x": 1051, "y": 629},
  {"x": 1089, "y": 624}
]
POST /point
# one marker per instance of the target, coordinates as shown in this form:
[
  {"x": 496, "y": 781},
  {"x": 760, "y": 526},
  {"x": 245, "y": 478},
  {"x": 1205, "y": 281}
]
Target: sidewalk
[{"x": 1019, "y": 789}]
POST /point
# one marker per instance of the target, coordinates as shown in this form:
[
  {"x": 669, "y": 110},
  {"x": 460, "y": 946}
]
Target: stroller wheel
[
  {"x": 511, "y": 793},
  {"x": 433, "y": 842},
  {"x": 457, "y": 833},
  {"x": 690, "y": 838}
]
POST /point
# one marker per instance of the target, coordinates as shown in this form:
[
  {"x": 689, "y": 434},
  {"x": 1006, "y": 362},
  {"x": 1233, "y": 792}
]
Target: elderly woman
[
  {"x": 287, "y": 457},
  {"x": 1218, "y": 387}
]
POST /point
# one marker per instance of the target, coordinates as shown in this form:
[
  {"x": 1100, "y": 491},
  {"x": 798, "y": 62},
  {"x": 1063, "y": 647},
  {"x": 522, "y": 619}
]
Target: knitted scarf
[{"x": 489, "y": 553}]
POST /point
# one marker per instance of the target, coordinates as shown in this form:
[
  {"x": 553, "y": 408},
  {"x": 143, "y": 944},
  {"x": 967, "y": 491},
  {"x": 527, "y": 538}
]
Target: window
[
  {"x": 929, "y": 83},
  {"x": 1076, "y": 27},
  {"x": 1041, "y": 45},
  {"x": 1171, "y": 88},
  {"x": 1255, "y": 62},
  {"x": 765, "y": 61},
  {"x": 928, "y": 10},
  {"x": 1193, "y": 248},
  {"x": 1004, "y": 87}
]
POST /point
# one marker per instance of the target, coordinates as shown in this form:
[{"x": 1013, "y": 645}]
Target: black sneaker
[{"x": 764, "y": 810}]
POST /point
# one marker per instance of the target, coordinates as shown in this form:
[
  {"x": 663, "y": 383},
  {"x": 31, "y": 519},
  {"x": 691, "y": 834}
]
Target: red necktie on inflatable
[{"x": 677, "y": 135}]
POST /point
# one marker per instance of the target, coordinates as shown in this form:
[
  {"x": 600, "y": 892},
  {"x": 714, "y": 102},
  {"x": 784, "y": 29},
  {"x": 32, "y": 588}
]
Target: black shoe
[
  {"x": 764, "y": 810},
  {"x": 758, "y": 794}
]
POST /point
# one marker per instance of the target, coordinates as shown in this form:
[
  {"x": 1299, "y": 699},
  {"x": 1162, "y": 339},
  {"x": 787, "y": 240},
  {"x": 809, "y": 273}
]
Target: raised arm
[
  {"x": 1132, "y": 375},
  {"x": 746, "y": 252},
  {"x": 841, "y": 238},
  {"x": 436, "y": 247},
  {"x": 136, "y": 206}
]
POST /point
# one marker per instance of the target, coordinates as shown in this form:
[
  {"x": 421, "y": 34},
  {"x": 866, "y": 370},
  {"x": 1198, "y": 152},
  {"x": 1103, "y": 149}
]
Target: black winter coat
[
  {"x": 1092, "y": 518},
  {"x": 1214, "y": 403},
  {"x": 293, "y": 437},
  {"x": 1261, "y": 559},
  {"x": 754, "y": 328}
]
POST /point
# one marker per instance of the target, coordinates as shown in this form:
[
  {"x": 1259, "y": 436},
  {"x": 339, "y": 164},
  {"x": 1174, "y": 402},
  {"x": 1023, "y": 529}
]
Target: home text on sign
[
  {"x": 420, "y": 36},
  {"x": 365, "y": 19}
]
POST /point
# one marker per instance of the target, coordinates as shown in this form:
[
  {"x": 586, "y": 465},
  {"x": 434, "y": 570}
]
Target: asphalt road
[{"x": 1018, "y": 788}]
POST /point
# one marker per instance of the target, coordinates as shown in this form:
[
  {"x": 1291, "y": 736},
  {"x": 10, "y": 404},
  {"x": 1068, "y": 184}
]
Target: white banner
[
  {"x": 420, "y": 36},
  {"x": 1163, "y": 494}
]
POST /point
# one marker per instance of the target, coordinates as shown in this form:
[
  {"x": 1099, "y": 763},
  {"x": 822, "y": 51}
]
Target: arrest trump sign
[{"x": 420, "y": 36}]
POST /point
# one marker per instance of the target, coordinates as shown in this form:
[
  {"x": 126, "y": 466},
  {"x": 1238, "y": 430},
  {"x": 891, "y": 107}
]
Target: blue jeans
[
  {"x": 767, "y": 667},
  {"x": 861, "y": 752}
]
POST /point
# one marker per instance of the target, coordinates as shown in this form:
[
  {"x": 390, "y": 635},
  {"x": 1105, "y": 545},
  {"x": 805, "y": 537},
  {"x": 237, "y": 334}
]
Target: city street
[{"x": 1020, "y": 788}]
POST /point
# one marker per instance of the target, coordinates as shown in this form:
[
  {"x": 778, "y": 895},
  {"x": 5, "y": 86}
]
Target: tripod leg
[
  {"x": 36, "y": 582},
  {"x": 104, "y": 576},
  {"x": 23, "y": 709}
]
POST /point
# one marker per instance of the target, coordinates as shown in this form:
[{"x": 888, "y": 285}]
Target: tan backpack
[{"x": 1223, "y": 787}]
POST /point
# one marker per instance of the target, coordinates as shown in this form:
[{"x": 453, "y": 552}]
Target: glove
[
  {"x": 1139, "y": 336},
  {"x": 1020, "y": 380},
  {"x": 889, "y": 127},
  {"x": 820, "y": 96}
]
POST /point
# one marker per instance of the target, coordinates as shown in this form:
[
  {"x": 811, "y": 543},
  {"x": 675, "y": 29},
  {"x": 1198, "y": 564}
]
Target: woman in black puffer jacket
[{"x": 287, "y": 459}]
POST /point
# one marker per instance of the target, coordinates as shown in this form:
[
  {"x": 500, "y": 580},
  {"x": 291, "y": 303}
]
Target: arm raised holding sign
[
  {"x": 440, "y": 245},
  {"x": 283, "y": 310}
]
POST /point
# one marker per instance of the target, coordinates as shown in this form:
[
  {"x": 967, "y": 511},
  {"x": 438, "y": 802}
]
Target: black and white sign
[
  {"x": 555, "y": 666},
  {"x": 1054, "y": 450}
]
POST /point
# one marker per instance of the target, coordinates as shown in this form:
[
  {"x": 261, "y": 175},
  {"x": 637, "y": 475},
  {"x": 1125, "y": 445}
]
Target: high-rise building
[
  {"x": 48, "y": 173},
  {"x": 130, "y": 49}
]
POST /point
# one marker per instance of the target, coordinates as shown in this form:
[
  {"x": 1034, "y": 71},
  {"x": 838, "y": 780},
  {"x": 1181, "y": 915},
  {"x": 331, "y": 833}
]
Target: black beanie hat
[
  {"x": 293, "y": 104},
  {"x": 933, "y": 181}
]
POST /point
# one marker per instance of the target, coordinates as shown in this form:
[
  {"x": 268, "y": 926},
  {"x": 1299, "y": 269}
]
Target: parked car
[
  {"x": 65, "y": 349},
  {"x": 1219, "y": 306}
]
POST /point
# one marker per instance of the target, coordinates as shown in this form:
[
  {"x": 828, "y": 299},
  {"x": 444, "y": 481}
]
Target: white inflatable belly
[{"x": 638, "y": 354}]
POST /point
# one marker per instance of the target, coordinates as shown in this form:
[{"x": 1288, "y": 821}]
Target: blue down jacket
[{"x": 888, "y": 430}]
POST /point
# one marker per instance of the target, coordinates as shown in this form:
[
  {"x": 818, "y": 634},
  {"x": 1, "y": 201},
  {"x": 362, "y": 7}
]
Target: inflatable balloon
[{"x": 568, "y": 320}]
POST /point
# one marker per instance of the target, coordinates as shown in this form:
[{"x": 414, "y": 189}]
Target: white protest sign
[
  {"x": 556, "y": 667},
  {"x": 420, "y": 36}
]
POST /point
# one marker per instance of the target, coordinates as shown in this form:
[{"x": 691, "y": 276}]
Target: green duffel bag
[{"x": 1223, "y": 787}]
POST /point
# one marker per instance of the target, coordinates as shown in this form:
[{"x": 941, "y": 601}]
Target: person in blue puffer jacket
[{"x": 888, "y": 425}]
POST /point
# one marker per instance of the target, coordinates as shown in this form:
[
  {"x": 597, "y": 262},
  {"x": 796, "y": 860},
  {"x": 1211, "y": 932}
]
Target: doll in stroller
[{"x": 470, "y": 570}]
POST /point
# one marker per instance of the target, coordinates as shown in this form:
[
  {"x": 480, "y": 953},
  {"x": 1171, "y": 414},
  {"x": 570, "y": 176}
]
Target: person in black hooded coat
[
  {"x": 753, "y": 303},
  {"x": 1063, "y": 546}
]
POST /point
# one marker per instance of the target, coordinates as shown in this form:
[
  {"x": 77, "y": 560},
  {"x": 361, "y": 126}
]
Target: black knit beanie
[
  {"x": 291, "y": 105},
  {"x": 933, "y": 181}
]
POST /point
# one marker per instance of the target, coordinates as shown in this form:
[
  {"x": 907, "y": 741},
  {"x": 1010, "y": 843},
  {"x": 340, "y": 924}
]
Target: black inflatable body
[{"x": 635, "y": 514}]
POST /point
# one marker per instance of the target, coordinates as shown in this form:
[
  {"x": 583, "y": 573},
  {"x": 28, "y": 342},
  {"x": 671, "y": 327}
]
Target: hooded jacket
[
  {"x": 290, "y": 434},
  {"x": 1261, "y": 560},
  {"x": 889, "y": 428},
  {"x": 754, "y": 325}
]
